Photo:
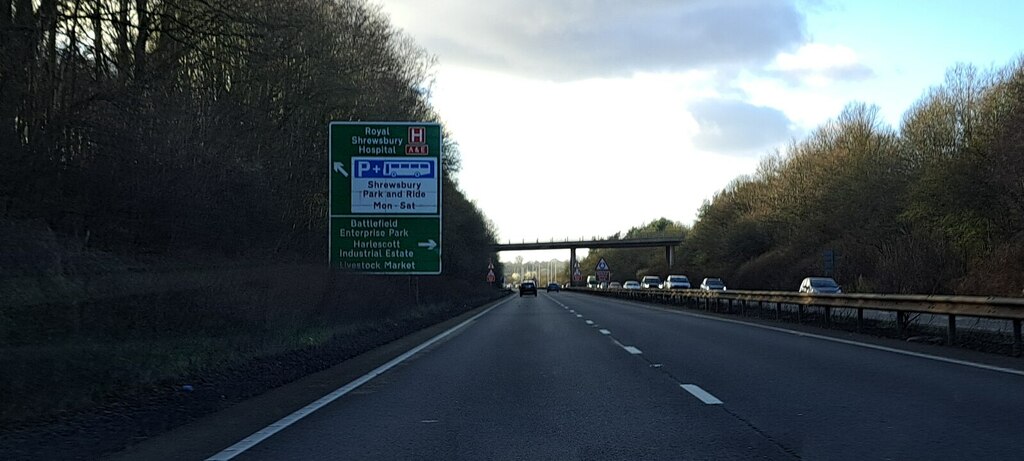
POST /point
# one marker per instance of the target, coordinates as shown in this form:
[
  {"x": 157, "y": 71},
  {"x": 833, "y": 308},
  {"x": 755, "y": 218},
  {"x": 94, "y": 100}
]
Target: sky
[{"x": 582, "y": 118}]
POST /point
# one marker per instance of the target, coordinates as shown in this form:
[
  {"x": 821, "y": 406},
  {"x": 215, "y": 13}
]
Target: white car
[
  {"x": 820, "y": 285},
  {"x": 650, "y": 281},
  {"x": 712, "y": 284},
  {"x": 676, "y": 282},
  {"x": 631, "y": 285}
]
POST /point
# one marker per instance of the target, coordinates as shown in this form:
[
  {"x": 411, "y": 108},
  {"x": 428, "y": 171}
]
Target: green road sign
[{"x": 385, "y": 197}]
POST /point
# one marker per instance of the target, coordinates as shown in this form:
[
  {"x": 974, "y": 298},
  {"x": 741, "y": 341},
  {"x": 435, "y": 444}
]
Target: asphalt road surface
[{"x": 570, "y": 376}]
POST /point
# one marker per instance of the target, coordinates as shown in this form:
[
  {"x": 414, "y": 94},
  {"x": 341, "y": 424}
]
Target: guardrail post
[
  {"x": 778, "y": 311},
  {"x": 951, "y": 331},
  {"x": 860, "y": 319},
  {"x": 799, "y": 313},
  {"x": 1016, "y": 337},
  {"x": 901, "y": 322},
  {"x": 828, "y": 317}
]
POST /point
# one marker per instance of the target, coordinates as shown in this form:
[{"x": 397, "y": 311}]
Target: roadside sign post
[{"x": 385, "y": 197}]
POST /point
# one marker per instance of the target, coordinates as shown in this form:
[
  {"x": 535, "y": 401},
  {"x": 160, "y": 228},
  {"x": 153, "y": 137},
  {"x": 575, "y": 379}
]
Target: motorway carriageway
[{"x": 568, "y": 376}]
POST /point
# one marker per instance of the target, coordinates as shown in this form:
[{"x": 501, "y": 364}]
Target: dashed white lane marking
[
  {"x": 263, "y": 434},
  {"x": 590, "y": 322},
  {"x": 579, "y": 316},
  {"x": 572, "y": 311},
  {"x": 604, "y": 332},
  {"x": 701, "y": 394},
  {"x": 632, "y": 350}
]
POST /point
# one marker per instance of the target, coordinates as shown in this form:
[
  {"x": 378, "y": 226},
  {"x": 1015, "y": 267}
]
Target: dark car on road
[
  {"x": 554, "y": 287},
  {"x": 527, "y": 288}
]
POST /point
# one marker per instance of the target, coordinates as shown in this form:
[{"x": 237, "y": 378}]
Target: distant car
[
  {"x": 553, "y": 287},
  {"x": 650, "y": 281},
  {"x": 676, "y": 282},
  {"x": 603, "y": 286},
  {"x": 527, "y": 288},
  {"x": 631, "y": 285},
  {"x": 712, "y": 284},
  {"x": 820, "y": 285},
  {"x": 614, "y": 286}
]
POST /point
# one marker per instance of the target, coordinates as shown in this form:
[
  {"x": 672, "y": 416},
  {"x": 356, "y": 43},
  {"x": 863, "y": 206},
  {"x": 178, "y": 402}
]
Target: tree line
[
  {"x": 935, "y": 206},
  {"x": 159, "y": 125}
]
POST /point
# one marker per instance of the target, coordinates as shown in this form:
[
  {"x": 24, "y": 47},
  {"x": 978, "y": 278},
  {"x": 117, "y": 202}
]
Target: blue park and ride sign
[{"x": 385, "y": 197}]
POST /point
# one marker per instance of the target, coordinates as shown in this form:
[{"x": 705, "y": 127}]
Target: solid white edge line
[
  {"x": 920, "y": 355},
  {"x": 701, "y": 394},
  {"x": 263, "y": 434}
]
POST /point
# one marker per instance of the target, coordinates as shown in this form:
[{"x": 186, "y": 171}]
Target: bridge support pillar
[
  {"x": 669, "y": 256},
  {"x": 572, "y": 267}
]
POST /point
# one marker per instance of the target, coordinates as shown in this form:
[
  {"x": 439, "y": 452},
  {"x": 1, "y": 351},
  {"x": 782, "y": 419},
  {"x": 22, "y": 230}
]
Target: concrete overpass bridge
[{"x": 667, "y": 242}]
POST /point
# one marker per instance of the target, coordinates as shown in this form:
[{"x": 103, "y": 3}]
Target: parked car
[
  {"x": 615, "y": 286},
  {"x": 676, "y": 282},
  {"x": 631, "y": 285},
  {"x": 712, "y": 284},
  {"x": 820, "y": 285},
  {"x": 554, "y": 287},
  {"x": 527, "y": 288},
  {"x": 650, "y": 281}
]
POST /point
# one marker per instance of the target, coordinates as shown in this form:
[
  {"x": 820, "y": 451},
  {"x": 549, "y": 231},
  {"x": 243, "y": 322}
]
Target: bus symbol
[{"x": 407, "y": 169}]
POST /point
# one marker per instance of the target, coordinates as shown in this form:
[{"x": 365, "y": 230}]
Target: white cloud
[
  {"x": 731, "y": 126},
  {"x": 569, "y": 40},
  {"x": 818, "y": 65},
  {"x": 587, "y": 117}
]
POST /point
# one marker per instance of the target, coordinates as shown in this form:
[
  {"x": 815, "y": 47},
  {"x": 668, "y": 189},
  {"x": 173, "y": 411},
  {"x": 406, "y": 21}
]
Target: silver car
[
  {"x": 676, "y": 282},
  {"x": 650, "y": 281},
  {"x": 712, "y": 284},
  {"x": 820, "y": 285}
]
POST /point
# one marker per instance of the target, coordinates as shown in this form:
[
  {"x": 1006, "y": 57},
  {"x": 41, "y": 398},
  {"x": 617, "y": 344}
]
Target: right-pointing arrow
[{"x": 429, "y": 244}]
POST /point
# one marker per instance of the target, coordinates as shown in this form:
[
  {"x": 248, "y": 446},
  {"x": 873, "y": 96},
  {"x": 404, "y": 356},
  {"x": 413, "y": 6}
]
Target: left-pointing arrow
[{"x": 340, "y": 168}]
